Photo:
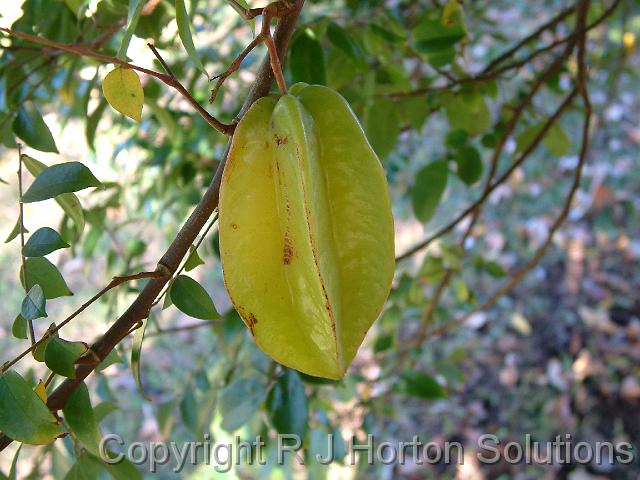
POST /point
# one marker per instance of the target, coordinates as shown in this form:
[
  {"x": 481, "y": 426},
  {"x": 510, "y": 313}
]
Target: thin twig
[
  {"x": 116, "y": 281},
  {"x": 184, "y": 328},
  {"x": 185, "y": 260},
  {"x": 529, "y": 38},
  {"x": 165, "y": 78},
  {"x": 169, "y": 262}
]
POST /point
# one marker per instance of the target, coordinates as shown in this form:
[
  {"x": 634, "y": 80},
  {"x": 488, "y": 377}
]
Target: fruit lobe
[{"x": 306, "y": 232}]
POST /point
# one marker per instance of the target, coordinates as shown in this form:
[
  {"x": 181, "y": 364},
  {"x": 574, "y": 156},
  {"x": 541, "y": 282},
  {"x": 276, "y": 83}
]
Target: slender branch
[
  {"x": 184, "y": 328},
  {"x": 427, "y": 317},
  {"x": 539, "y": 31},
  {"x": 486, "y": 75},
  {"x": 273, "y": 10},
  {"x": 165, "y": 78},
  {"x": 169, "y": 262},
  {"x": 116, "y": 281},
  {"x": 186, "y": 259}
]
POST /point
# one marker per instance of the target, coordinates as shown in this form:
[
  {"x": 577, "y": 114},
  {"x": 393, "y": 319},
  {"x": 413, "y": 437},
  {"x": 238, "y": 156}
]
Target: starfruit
[{"x": 306, "y": 231}]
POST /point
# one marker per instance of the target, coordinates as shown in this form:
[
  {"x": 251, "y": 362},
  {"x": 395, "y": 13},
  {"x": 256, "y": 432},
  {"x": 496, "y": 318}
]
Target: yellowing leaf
[
  {"x": 123, "y": 91},
  {"x": 41, "y": 391}
]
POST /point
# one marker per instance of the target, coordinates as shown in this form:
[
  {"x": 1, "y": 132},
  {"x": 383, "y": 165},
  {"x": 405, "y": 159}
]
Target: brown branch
[
  {"x": 116, "y": 281},
  {"x": 486, "y": 75},
  {"x": 169, "y": 262},
  {"x": 427, "y": 317},
  {"x": 529, "y": 38},
  {"x": 581, "y": 87},
  {"x": 184, "y": 328},
  {"x": 165, "y": 78}
]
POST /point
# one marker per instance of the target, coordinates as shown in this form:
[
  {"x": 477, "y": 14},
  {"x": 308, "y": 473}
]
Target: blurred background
[{"x": 558, "y": 353}]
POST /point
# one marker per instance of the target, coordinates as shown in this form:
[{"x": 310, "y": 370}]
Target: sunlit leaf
[{"x": 123, "y": 90}]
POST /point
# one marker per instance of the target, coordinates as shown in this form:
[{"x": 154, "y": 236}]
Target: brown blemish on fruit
[
  {"x": 288, "y": 251},
  {"x": 234, "y": 226},
  {"x": 252, "y": 321},
  {"x": 280, "y": 140}
]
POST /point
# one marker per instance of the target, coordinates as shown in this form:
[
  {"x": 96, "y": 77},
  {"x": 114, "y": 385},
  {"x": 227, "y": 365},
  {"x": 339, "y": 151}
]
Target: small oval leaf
[
  {"x": 31, "y": 128},
  {"x": 43, "y": 241},
  {"x": 190, "y": 298},
  {"x": 430, "y": 185},
  {"x": 33, "y": 305},
  {"x": 58, "y": 179},
  {"x": 44, "y": 273},
  {"x": 60, "y": 356},
  {"x": 123, "y": 91},
  {"x": 68, "y": 201}
]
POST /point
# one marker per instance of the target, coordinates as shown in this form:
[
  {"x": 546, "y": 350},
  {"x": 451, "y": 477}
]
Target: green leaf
[
  {"x": 190, "y": 298},
  {"x": 44, "y": 273},
  {"x": 39, "y": 351},
  {"x": 342, "y": 40},
  {"x": 419, "y": 384},
  {"x": 112, "y": 357},
  {"x": 81, "y": 419},
  {"x": 60, "y": 356},
  {"x": 19, "y": 327},
  {"x": 136, "y": 352},
  {"x": 382, "y": 125},
  {"x": 58, "y": 179},
  {"x": 184, "y": 30},
  {"x": 288, "y": 404},
  {"x": 33, "y": 305},
  {"x": 135, "y": 8},
  {"x": 432, "y": 36},
  {"x": 103, "y": 409},
  {"x": 30, "y": 127},
  {"x": 494, "y": 269},
  {"x": 123, "y": 90},
  {"x": 43, "y": 241},
  {"x": 23, "y": 415},
  {"x": 383, "y": 343},
  {"x": 13, "y": 474},
  {"x": 68, "y": 201},
  {"x": 557, "y": 141},
  {"x": 193, "y": 260},
  {"x": 239, "y": 401},
  {"x": 189, "y": 410},
  {"x": 85, "y": 468},
  {"x": 469, "y": 164},
  {"x": 306, "y": 59},
  {"x": 91, "y": 124},
  {"x": 467, "y": 112},
  {"x": 15, "y": 231},
  {"x": 427, "y": 192}
]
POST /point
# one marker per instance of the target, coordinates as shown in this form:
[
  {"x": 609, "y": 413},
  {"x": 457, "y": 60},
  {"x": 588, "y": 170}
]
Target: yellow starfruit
[{"x": 306, "y": 231}]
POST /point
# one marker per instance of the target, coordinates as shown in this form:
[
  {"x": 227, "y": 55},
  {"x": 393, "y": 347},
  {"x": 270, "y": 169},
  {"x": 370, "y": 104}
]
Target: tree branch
[
  {"x": 168, "y": 79},
  {"x": 169, "y": 262}
]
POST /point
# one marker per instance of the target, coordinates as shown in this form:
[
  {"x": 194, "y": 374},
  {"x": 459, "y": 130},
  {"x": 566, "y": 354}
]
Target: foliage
[{"x": 457, "y": 104}]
